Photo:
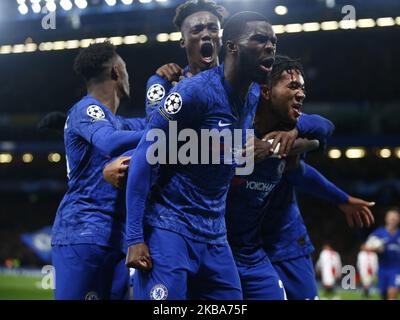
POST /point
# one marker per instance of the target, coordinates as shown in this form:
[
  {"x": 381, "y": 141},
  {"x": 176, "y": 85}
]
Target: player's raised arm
[
  {"x": 356, "y": 210},
  {"x": 160, "y": 84},
  {"x": 181, "y": 105}
]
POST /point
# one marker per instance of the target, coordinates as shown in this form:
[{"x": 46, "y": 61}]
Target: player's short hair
[
  {"x": 394, "y": 208},
  {"x": 282, "y": 64},
  {"x": 92, "y": 62},
  {"x": 235, "y": 25},
  {"x": 192, "y": 6}
]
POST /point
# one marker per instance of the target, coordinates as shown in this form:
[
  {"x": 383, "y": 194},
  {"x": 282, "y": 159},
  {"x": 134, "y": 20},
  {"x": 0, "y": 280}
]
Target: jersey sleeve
[
  {"x": 315, "y": 127},
  {"x": 156, "y": 89},
  {"x": 312, "y": 181},
  {"x": 93, "y": 124},
  {"x": 182, "y": 105},
  {"x": 134, "y": 124}
]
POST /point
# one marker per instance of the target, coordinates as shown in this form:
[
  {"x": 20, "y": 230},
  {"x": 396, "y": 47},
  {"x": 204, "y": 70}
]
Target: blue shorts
[
  {"x": 261, "y": 282},
  {"x": 89, "y": 272},
  {"x": 186, "y": 269},
  {"x": 388, "y": 278},
  {"x": 298, "y": 278}
]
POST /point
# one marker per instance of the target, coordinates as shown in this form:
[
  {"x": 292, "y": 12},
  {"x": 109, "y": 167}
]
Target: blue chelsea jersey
[
  {"x": 91, "y": 211},
  {"x": 190, "y": 199},
  {"x": 247, "y": 198}
]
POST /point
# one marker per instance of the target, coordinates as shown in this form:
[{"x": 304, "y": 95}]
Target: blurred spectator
[
  {"x": 367, "y": 265},
  {"x": 329, "y": 266}
]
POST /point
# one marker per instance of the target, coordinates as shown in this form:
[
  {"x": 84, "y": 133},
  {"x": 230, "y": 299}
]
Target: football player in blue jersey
[
  {"x": 88, "y": 236},
  {"x": 279, "y": 110},
  {"x": 284, "y": 233},
  {"x": 386, "y": 242},
  {"x": 176, "y": 231},
  {"x": 200, "y": 25}
]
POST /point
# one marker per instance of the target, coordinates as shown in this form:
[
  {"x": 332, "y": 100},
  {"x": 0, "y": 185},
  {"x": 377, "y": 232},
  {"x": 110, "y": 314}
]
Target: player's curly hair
[
  {"x": 92, "y": 62},
  {"x": 281, "y": 64},
  {"x": 193, "y": 6}
]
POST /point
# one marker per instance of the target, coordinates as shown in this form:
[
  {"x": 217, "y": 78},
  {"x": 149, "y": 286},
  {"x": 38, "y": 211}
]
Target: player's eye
[
  {"x": 259, "y": 38},
  {"x": 197, "y": 29},
  {"x": 213, "y": 28}
]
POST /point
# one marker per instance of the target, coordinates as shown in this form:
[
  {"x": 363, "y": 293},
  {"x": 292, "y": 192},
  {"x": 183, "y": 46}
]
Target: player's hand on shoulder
[
  {"x": 115, "y": 173},
  {"x": 260, "y": 148},
  {"x": 282, "y": 141},
  {"x": 138, "y": 257},
  {"x": 171, "y": 72},
  {"x": 357, "y": 212}
]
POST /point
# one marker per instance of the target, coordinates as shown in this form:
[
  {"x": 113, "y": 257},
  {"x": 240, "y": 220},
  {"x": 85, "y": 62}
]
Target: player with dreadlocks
[
  {"x": 88, "y": 235},
  {"x": 285, "y": 237}
]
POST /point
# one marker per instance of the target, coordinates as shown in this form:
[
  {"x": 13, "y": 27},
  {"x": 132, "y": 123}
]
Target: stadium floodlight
[
  {"x": 278, "y": 28},
  {"x": 162, "y": 37},
  {"x": 21, "y": 2},
  {"x": 54, "y": 157},
  {"x": 27, "y": 157},
  {"x": 66, "y": 5},
  {"x": 72, "y": 44},
  {"x": 145, "y": 1},
  {"x": 30, "y": 47},
  {"x": 355, "y": 153},
  {"x": 334, "y": 154},
  {"x": 23, "y": 9},
  {"x": 348, "y": 24},
  {"x": 18, "y": 48},
  {"x": 36, "y": 7},
  {"x": 111, "y": 3},
  {"x": 398, "y": 20},
  {"x": 5, "y": 49},
  {"x": 397, "y": 152},
  {"x": 86, "y": 43},
  {"x": 142, "y": 38},
  {"x": 385, "y": 22},
  {"x": 281, "y": 10},
  {"x": 81, "y": 4},
  {"x": 131, "y": 40},
  {"x": 293, "y": 27},
  {"x": 116, "y": 41},
  {"x": 5, "y": 157},
  {"x": 311, "y": 26},
  {"x": 58, "y": 45},
  {"x": 365, "y": 23},
  {"x": 385, "y": 153},
  {"x": 175, "y": 36},
  {"x": 127, "y": 2},
  {"x": 46, "y": 46},
  {"x": 329, "y": 25},
  {"x": 51, "y": 5}
]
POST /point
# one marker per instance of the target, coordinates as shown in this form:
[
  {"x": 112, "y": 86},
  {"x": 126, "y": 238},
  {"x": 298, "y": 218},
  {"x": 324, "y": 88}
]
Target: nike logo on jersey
[{"x": 221, "y": 124}]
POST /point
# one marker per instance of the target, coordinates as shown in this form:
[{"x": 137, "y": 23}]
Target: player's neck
[
  {"x": 391, "y": 229},
  {"x": 106, "y": 95},
  {"x": 239, "y": 82},
  {"x": 195, "y": 68},
  {"x": 265, "y": 121}
]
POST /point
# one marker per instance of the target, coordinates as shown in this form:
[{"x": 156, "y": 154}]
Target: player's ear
[
  {"x": 115, "y": 75},
  {"x": 266, "y": 92},
  {"x": 182, "y": 42},
  {"x": 231, "y": 47}
]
